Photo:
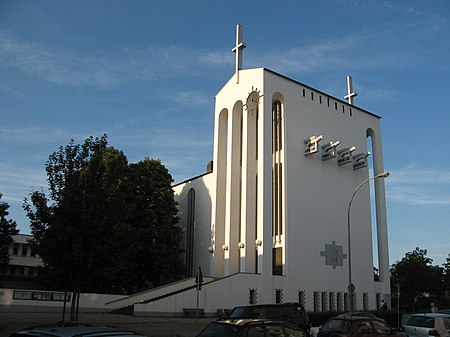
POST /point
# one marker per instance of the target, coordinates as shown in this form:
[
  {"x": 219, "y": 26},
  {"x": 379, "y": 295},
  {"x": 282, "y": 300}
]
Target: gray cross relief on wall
[{"x": 334, "y": 255}]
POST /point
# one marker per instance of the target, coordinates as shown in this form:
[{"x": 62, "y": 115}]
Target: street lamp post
[{"x": 351, "y": 287}]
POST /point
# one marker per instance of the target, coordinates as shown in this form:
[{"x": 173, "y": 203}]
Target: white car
[{"x": 425, "y": 325}]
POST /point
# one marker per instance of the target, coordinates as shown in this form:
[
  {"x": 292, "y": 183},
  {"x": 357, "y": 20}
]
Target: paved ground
[{"x": 149, "y": 326}]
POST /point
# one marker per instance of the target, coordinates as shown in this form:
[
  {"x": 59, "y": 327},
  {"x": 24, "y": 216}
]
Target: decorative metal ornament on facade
[{"x": 329, "y": 151}]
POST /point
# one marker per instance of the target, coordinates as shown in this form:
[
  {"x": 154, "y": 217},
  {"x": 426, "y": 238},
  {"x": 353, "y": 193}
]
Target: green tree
[
  {"x": 420, "y": 282},
  {"x": 107, "y": 226},
  {"x": 73, "y": 230},
  {"x": 7, "y": 229},
  {"x": 151, "y": 247},
  {"x": 447, "y": 278}
]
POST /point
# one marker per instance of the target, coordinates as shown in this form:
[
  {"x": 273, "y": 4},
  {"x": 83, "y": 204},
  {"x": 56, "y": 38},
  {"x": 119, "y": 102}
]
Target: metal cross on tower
[
  {"x": 240, "y": 45},
  {"x": 350, "y": 92}
]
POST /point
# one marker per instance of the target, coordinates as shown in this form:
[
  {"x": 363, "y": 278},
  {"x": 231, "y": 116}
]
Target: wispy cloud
[
  {"x": 56, "y": 65},
  {"x": 9, "y": 90},
  {"x": 61, "y": 66},
  {"x": 193, "y": 99},
  {"x": 37, "y": 135},
  {"x": 17, "y": 182},
  {"x": 346, "y": 53},
  {"x": 419, "y": 186}
]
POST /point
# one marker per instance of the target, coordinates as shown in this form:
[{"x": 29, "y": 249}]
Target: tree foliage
[
  {"x": 420, "y": 282},
  {"x": 7, "y": 229},
  {"x": 447, "y": 276},
  {"x": 107, "y": 226}
]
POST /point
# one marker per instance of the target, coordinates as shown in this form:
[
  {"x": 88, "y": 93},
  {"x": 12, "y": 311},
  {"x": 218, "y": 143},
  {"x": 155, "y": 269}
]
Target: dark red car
[{"x": 356, "y": 326}]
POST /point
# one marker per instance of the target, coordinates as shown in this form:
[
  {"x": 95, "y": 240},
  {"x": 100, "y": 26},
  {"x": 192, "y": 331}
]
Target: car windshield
[
  {"x": 219, "y": 329},
  {"x": 420, "y": 321},
  {"x": 337, "y": 325},
  {"x": 243, "y": 312}
]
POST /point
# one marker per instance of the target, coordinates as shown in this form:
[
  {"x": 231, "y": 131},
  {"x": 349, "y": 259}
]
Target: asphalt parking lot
[{"x": 148, "y": 326}]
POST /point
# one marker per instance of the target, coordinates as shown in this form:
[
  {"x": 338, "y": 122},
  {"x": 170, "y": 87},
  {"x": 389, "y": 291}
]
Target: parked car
[
  {"x": 358, "y": 313},
  {"x": 290, "y": 312},
  {"x": 251, "y": 328},
  {"x": 424, "y": 325},
  {"x": 361, "y": 314},
  {"x": 73, "y": 330},
  {"x": 352, "y": 326}
]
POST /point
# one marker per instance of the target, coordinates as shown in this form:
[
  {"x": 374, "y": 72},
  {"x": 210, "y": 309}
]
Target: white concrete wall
[
  {"x": 204, "y": 191},
  {"x": 225, "y": 293},
  {"x": 317, "y": 192},
  {"x": 88, "y": 302}
]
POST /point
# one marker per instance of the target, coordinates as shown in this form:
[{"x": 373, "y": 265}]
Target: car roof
[
  {"x": 357, "y": 313},
  {"x": 271, "y": 305},
  {"x": 432, "y": 314},
  {"x": 357, "y": 318},
  {"x": 243, "y": 321}
]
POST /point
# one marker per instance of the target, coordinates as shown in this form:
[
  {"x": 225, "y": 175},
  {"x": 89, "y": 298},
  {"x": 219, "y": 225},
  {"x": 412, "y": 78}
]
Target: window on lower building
[
  {"x": 278, "y": 296},
  {"x": 340, "y": 301},
  {"x": 366, "y": 301},
  {"x": 252, "y": 296},
  {"x": 378, "y": 300},
  {"x": 332, "y": 301},
  {"x": 316, "y": 298},
  {"x": 324, "y": 301},
  {"x": 301, "y": 297}
]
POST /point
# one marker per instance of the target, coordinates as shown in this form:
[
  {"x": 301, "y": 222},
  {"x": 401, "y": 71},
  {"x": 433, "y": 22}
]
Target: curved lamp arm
[{"x": 350, "y": 285}]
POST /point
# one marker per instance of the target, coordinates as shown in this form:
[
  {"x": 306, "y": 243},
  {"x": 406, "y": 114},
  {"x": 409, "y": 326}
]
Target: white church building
[{"x": 269, "y": 222}]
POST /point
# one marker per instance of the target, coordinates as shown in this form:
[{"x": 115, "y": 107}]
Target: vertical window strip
[
  {"x": 277, "y": 139},
  {"x": 190, "y": 232}
]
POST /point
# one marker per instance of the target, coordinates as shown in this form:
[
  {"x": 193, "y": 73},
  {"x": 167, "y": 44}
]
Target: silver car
[{"x": 425, "y": 325}]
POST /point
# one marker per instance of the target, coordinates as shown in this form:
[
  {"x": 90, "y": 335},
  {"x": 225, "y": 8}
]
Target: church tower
[{"x": 272, "y": 220}]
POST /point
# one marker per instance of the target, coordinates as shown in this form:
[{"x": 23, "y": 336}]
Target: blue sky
[{"x": 146, "y": 73}]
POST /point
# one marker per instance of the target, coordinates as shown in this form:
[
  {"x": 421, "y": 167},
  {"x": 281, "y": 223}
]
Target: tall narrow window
[
  {"x": 373, "y": 212},
  {"x": 277, "y": 169},
  {"x": 190, "y": 232},
  {"x": 277, "y": 261}
]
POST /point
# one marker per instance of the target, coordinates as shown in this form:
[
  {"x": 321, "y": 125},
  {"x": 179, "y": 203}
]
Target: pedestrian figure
[
  {"x": 383, "y": 305},
  {"x": 313, "y": 330},
  {"x": 433, "y": 308}
]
